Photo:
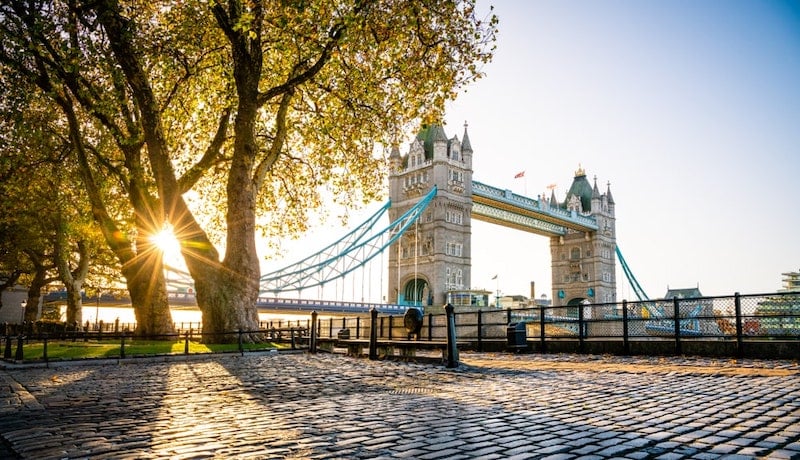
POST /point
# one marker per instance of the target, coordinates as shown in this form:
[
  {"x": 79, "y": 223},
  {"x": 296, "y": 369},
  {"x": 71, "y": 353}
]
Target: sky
[{"x": 689, "y": 109}]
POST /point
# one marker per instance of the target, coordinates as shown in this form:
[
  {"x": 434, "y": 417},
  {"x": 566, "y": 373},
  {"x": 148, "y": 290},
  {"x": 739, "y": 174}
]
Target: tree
[
  {"x": 46, "y": 234},
  {"x": 315, "y": 87}
]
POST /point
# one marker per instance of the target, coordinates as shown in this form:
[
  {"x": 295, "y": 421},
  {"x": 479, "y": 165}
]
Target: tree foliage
[{"x": 260, "y": 107}]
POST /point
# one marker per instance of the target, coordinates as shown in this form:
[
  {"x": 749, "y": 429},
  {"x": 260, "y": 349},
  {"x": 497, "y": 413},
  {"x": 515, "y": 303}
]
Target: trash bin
[
  {"x": 412, "y": 321},
  {"x": 517, "y": 336}
]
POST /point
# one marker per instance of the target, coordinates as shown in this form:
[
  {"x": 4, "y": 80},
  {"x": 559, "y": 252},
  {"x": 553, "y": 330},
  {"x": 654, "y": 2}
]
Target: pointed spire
[
  {"x": 395, "y": 153},
  {"x": 465, "y": 144},
  {"x": 595, "y": 192},
  {"x": 553, "y": 201},
  {"x": 608, "y": 194},
  {"x": 438, "y": 133}
]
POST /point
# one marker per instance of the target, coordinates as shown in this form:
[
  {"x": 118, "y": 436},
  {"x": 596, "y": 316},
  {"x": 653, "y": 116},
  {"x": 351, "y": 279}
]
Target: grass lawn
[{"x": 65, "y": 349}]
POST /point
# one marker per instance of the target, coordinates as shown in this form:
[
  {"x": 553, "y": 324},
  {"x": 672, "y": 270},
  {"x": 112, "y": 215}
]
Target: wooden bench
[{"x": 401, "y": 348}]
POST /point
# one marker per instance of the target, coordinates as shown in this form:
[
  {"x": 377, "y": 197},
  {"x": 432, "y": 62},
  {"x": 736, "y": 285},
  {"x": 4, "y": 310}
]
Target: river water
[{"x": 125, "y": 315}]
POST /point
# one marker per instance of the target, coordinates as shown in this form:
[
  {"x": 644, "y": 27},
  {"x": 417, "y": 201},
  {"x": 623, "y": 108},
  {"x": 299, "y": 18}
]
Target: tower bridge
[{"x": 433, "y": 257}]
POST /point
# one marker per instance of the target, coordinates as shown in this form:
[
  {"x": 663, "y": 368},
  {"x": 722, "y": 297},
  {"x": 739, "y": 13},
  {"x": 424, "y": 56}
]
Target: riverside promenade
[{"x": 303, "y": 406}]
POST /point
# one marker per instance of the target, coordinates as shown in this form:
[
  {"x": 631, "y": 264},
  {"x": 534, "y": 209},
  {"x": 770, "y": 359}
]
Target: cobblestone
[{"x": 330, "y": 406}]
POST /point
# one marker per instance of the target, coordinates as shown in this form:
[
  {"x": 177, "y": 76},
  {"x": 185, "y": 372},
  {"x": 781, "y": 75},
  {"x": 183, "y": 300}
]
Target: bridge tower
[
  {"x": 433, "y": 256},
  {"x": 583, "y": 262}
]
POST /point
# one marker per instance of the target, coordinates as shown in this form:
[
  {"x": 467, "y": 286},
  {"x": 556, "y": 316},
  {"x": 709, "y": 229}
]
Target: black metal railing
[
  {"x": 118, "y": 345},
  {"x": 738, "y": 321}
]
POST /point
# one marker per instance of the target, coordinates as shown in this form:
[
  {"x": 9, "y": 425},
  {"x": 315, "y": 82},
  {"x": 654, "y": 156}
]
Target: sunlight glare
[{"x": 166, "y": 242}]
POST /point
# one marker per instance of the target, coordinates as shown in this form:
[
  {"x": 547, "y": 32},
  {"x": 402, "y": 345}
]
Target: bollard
[
  {"x": 7, "y": 352},
  {"x": 452, "y": 349},
  {"x": 312, "y": 341},
  {"x": 373, "y": 333},
  {"x": 19, "y": 355},
  {"x": 186, "y": 342}
]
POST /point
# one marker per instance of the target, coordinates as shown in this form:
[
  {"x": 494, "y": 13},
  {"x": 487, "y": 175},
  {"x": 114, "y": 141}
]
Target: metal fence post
[
  {"x": 452, "y": 349},
  {"x": 677, "y": 311},
  {"x": 391, "y": 321},
  {"x": 737, "y": 302},
  {"x": 358, "y": 327},
  {"x": 19, "y": 355},
  {"x": 373, "y": 333},
  {"x": 430, "y": 326},
  {"x": 580, "y": 326},
  {"x": 626, "y": 346},
  {"x": 187, "y": 334},
  {"x": 480, "y": 330},
  {"x": 541, "y": 329},
  {"x": 312, "y": 346},
  {"x": 122, "y": 346},
  {"x": 7, "y": 352}
]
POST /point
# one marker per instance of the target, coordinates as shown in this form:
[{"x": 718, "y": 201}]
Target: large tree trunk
[
  {"x": 38, "y": 283},
  {"x": 147, "y": 288}
]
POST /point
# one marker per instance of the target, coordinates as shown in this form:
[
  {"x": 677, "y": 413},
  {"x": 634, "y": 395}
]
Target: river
[{"x": 125, "y": 315}]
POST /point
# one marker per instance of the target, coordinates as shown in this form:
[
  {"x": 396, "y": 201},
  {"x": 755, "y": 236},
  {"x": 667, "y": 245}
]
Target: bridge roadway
[
  {"x": 266, "y": 304},
  {"x": 325, "y": 406}
]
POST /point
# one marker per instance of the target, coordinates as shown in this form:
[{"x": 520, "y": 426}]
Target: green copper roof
[
  {"x": 430, "y": 134},
  {"x": 582, "y": 189}
]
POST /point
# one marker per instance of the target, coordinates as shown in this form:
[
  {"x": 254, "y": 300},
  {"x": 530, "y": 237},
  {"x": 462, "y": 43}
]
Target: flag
[
  {"x": 519, "y": 174},
  {"x": 551, "y": 186},
  {"x": 494, "y": 277}
]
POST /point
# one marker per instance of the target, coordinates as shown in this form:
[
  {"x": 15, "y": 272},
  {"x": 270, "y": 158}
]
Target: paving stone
[{"x": 329, "y": 406}]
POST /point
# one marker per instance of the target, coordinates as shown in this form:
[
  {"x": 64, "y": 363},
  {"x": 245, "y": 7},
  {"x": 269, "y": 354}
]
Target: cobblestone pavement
[{"x": 330, "y": 406}]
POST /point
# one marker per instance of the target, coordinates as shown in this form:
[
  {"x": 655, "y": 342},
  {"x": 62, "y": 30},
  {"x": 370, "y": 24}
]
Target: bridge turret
[
  {"x": 395, "y": 160},
  {"x": 466, "y": 149},
  {"x": 433, "y": 257},
  {"x": 583, "y": 262},
  {"x": 597, "y": 199}
]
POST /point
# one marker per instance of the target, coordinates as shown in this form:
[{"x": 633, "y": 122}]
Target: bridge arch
[{"x": 416, "y": 291}]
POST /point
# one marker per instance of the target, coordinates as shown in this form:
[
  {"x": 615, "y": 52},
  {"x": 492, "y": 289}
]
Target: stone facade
[
  {"x": 433, "y": 256},
  {"x": 583, "y": 263}
]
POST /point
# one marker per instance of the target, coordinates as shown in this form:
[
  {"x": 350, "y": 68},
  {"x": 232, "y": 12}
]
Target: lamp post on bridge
[{"x": 23, "y": 306}]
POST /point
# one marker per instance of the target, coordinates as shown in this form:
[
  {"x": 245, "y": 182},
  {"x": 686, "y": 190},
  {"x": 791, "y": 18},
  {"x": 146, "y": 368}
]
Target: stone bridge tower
[
  {"x": 583, "y": 263},
  {"x": 433, "y": 256}
]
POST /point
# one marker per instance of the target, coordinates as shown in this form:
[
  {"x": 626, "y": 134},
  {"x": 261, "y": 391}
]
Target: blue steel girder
[
  {"x": 346, "y": 255},
  {"x": 503, "y": 207}
]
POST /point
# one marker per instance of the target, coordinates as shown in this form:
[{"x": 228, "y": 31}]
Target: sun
[{"x": 166, "y": 242}]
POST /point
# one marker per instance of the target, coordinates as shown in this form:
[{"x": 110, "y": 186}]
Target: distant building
[
  {"x": 469, "y": 298},
  {"x": 780, "y": 314},
  {"x": 791, "y": 282},
  {"x": 514, "y": 301},
  {"x": 686, "y": 293},
  {"x": 12, "y": 311}
]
